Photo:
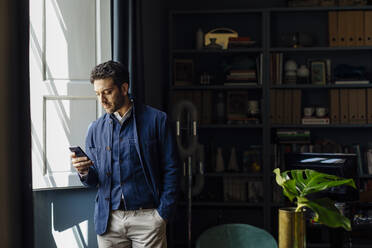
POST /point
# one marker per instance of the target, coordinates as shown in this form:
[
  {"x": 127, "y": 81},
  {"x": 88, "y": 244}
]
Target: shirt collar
[{"x": 123, "y": 118}]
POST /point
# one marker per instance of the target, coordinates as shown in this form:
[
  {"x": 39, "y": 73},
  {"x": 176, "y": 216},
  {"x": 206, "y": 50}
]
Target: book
[
  {"x": 237, "y": 83},
  {"x": 359, "y": 159},
  {"x": 338, "y": 82},
  {"x": 369, "y": 160},
  {"x": 293, "y": 135},
  {"x": 315, "y": 121}
]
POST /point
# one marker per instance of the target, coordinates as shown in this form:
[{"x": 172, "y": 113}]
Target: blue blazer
[{"x": 156, "y": 147}]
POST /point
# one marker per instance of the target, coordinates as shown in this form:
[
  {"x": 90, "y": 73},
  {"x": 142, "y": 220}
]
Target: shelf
[
  {"x": 322, "y": 126},
  {"x": 227, "y": 51},
  {"x": 227, "y": 126},
  {"x": 320, "y": 49},
  {"x": 234, "y": 174},
  {"x": 327, "y": 245},
  {"x": 320, "y": 8},
  {"x": 364, "y": 204},
  {"x": 217, "y": 87},
  {"x": 366, "y": 177},
  {"x": 320, "y": 245},
  {"x": 327, "y": 86},
  {"x": 280, "y": 9},
  {"x": 224, "y": 11},
  {"x": 225, "y": 204}
]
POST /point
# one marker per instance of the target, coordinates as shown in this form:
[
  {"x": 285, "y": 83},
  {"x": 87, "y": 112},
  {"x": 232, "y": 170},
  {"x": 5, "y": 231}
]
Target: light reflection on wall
[{"x": 76, "y": 236}]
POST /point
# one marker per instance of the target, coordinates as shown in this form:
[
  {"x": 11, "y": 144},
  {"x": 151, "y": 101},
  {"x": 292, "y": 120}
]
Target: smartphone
[{"x": 78, "y": 151}]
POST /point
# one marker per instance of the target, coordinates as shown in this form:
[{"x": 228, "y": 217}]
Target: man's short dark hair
[{"x": 110, "y": 69}]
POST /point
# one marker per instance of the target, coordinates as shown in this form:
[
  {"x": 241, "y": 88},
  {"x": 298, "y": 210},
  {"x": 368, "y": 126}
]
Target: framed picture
[
  {"x": 237, "y": 105},
  {"x": 318, "y": 71},
  {"x": 183, "y": 72}
]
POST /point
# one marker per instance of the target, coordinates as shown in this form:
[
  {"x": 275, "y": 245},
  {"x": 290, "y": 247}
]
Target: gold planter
[{"x": 292, "y": 228}]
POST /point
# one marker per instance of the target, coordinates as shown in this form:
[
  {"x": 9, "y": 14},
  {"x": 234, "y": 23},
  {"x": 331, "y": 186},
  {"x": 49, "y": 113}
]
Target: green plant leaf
[
  {"x": 299, "y": 183},
  {"x": 325, "y": 212},
  {"x": 317, "y": 182},
  {"x": 288, "y": 185},
  {"x": 309, "y": 181}
]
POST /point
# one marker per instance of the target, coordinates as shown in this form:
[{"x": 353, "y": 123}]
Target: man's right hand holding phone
[{"x": 81, "y": 164}]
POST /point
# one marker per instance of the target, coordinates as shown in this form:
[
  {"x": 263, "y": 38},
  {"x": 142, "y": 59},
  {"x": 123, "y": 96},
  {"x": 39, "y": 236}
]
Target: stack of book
[
  {"x": 240, "y": 42},
  {"x": 241, "y": 77},
  {"x": 293, "y": 136}
]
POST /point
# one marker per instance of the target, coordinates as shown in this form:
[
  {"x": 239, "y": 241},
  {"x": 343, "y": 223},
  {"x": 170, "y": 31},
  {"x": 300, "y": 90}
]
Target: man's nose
[{"x": 102, "y": 99}]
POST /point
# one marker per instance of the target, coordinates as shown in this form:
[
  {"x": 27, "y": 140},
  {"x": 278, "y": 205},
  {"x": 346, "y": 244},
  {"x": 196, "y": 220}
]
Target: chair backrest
[{"x": 237, "y": 236}]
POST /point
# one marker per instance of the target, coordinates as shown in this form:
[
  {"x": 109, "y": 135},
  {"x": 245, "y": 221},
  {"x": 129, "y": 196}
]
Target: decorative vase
[
  {"x": 292, "y": 228},
  {"x": 290, "y": 75},
  {"x": 303, "y": 71},
  {"x": 220, "y": 164},
  {"x": 303, "y": 74}
]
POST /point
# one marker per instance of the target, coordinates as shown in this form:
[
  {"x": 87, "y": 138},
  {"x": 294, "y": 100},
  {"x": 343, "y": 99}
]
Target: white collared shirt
[{"x": 127, "y": 114}]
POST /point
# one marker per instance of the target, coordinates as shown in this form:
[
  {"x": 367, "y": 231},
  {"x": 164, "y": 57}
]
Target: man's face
[{"x": 110, "y": 96}]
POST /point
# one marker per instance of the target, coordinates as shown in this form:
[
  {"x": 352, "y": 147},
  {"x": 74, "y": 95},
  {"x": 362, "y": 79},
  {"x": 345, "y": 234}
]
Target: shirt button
[
  {"x": 108, "y": 148},
  {"x": 120, "y": 161},
  {"x": 107, "y": 198},
  {"x": 108, "y": 174}
]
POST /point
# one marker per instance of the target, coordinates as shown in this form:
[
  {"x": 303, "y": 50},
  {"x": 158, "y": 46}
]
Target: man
[{"x": 133, "y": 161}]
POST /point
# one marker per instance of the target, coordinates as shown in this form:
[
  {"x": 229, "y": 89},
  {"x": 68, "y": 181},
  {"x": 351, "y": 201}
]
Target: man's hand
[{"x": 81, "y": 164}]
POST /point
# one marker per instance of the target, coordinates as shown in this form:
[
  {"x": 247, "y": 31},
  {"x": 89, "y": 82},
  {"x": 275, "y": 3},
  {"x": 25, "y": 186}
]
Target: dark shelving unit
[
  {"x": 349, "y": 126},
  {"x": 229, "y": 126},
  {"x": 332, "y": 86},
  {"x": 225, "y": 204},
  {"x": 235, "y": 50},
  {"x": 233, "y": 174},
  {"x": 321, "y": 49},
  {"x": 264, "y": 25},
  {"x": 217, "y": 87}
]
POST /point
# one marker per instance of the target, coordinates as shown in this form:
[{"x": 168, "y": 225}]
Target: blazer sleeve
[
  {"x": 91, "y": 179},
  {"x": 170, "y": 169}
]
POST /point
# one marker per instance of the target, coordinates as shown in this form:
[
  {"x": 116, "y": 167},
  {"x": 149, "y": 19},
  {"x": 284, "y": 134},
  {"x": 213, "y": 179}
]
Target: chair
[{"x": 237, "y": 236}]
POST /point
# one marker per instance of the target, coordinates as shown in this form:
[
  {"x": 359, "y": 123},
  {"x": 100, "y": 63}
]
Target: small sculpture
[
  {"x": 290, "y": 68},
  {"x": 233, "y": 164}
]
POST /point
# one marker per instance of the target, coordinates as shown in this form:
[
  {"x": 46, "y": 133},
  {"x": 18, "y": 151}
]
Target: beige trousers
[{"x": 138, "y": 229}]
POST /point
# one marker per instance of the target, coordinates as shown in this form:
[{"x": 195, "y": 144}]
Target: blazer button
[
  {"x": 108, "y": 174},
  {"x": 107, "y": 198},
  {"x": 108, "y": 148}
]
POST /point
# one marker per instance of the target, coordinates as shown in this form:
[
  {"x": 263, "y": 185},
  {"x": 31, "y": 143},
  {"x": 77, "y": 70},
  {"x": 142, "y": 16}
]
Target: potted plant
[{"x": 297, "y": 185}]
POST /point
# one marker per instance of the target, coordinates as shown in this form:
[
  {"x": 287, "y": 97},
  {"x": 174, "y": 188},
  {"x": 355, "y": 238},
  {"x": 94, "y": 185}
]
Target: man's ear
[{"x": 125, "y": 88}]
